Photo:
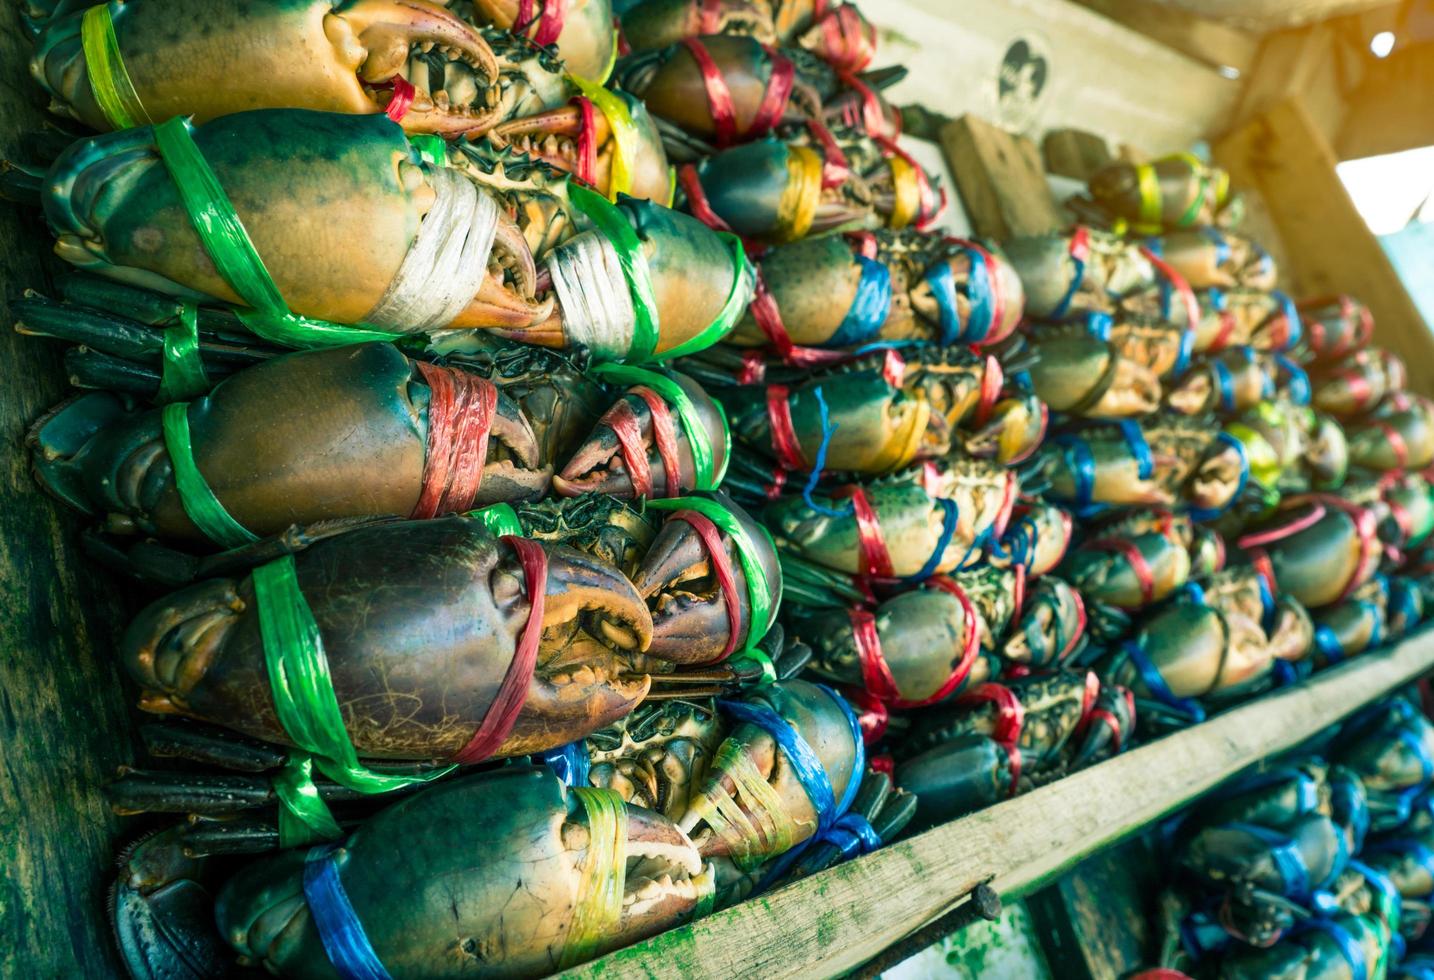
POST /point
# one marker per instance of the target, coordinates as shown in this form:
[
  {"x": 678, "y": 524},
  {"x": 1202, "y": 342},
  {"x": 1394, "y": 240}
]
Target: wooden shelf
[{"x": 837, "y": 920}]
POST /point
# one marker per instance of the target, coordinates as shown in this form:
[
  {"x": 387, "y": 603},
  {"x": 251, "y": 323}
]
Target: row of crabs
[
  {"x": 1317, "y": 864},
  {"x": 587, "y": 632}
]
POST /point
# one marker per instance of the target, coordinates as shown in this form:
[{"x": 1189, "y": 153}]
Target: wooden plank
[
  {"x": 1268, "y": 15},
  {"x": 1329, "y": 248},
  {"x": 1074, "y": 153},
  {"x": 1101, "y": 76},
  {"x": 63, "y": 721},
  {"x": 1393, "y": 107},
  {"x": 1210, "y": 42},
  {"x": 1000, "y": 179},
  {"x": 835, "y": 920}
]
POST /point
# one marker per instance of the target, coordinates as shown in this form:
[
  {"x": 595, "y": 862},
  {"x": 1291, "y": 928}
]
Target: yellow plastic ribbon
[
  {"x": 109, "y": 80},
  {"x": 1150, "y": 210},
  {"x": 770, "y": 829},
  {"x": 624, "y": 134},
  {"x": 603, "y": 880}
]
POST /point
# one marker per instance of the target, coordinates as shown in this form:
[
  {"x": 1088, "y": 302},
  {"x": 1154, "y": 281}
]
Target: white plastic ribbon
[
  {"x": 594, "y": 296},
  {"x": 446, "y": 263}
]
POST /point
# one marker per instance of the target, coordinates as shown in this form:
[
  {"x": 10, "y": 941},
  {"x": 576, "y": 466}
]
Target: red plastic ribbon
[
  {"x": 874, "y": 556},
  {"x": 622, "y": 420},
  {"x": 719, "y": 96},
  {"x": 876, "y": 673},
  {"x": 835, "y": 170},
  {"x": 503, "y": 712},
  {"x": 1178, "y": 283},
  {"x": 931, "y": 208},
  {"x": 664, "y": 434},
  {"x": 764, "y": 310},
  {"x": 779, "y": 480},
  {"x": 721, "y": 564},
  {"x": 1358, "y": 386},
  {"x": 882, "y": 761},
  {"x": 708, "y": 13},
  {"x": 1132, "y": 554},
  {"x": 992, "y": 380},
  {"x": 587, "y": 141},
  {"x": 784, "y": 435},
  {"x": 1274, "y": 534},
  {"x": 1008, "y": 503},
  {"x": 754, "y": 367},
  {"x": 1079, "y": 631},
  {"x": 1010, "y": 718},
  {"x": 460, "y": 416},
  {"x": 1227, "y": 327},
  {"x": 848, "y": 47},
  {"x": 550, "y": 22},
  {"x": 402, "y": 101},
  {"x": 1396, "y": 443},
  {"x": 870, "y": 116},
  {"x": 1087, "y": 703},
  {"x": 1080, "y": 244},
  {"x": 697, "y": 201},
  {"x": 1260, "y": 562},
  {"x": 1018, "y": 591},
  {"x": 893, "y": 368}
]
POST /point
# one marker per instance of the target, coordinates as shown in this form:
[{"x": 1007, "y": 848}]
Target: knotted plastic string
[
  {"x": 757, "y": 827},
  {"x": 461, "y": 407},
  {"x": 507, "y": 704},
  {"x": 401, "y": 100},
  {"x": 759, "y": 589},
  {"x": 342, "y": 934},
  {"x": 303, "y": 689},
  {"x": 233, "y": 253},
  {"x": 550, "y": 21},
  {"x": 109, "y": 79},
  {"x": 1079, "y": 252},
  {"x": 626, "y": 139},
  {"x": 182, "y": 375},
  {"x": 876, "y": 672},
  {"x": 719, "y": 96},
  {"x": 1133, "y": 556},
  {"x": 195, "y": 494},
  {"x": 603, "y": 877},
  {"x": 706, "y": 474},
  {"x": 304, "y": 817}
]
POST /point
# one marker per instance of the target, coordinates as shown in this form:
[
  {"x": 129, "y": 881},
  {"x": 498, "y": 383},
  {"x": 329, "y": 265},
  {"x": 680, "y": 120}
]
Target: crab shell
[
  {"x": 1399, "y": 436},
  {"x": 922, "y": 635},
  {"x": 879, "y": 428},
  {"x": 1049, "y": 627},
  {"x": 552, "y": 137},
  {"x": 1241, "y": 316},
  {"x": 586, "y": 41},
  {"x": 1249, "y": 379},
  {"x": 1224, "y": 854},
  {"x": 689, "y": 608},
  {"x": 1378, "y": 750},
  {"x": 822, "y": 723},
  {"x": 1055, "y": 281},
  {"x": 344, "y": 435},
  {"x": 1182, "y": 182},
  {"x": 911, "y": 525},
  {"x": 654, "y": 24},
  {"x": 955, "y": 777},
  {"x": 1082, "y": 374},
  {"x": 430, "y": 909},
  {"x": 1335, "y": 326},
  {"x": 1321, "y": 563},
  {"x": 1210, "y": 259},
  {"x": 186, "y": 57},
  {"x": 420, "y": 621},
  {"x": 1358, "y": 383},
  {"x": 598, "y": 465},
  {"x": 1312, "y": 952},
  {"x": 1108, "y": 574},
  {"x": 1355, "y": 625}
]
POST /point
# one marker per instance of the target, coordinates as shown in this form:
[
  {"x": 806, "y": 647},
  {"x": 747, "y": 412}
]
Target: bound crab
[
  {"x": 1177, "y": 191},
  {"x": 1245, "y": 317},
  {"x": 1219, "y": 641},
  {"x": 999, "y": 739},
  {"x": 1211, "y": 258},
  {"x": 429, "y": 246}
]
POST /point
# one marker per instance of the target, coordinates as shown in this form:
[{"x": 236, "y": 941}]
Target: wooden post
[
  {"x": 1283, "y": 154},
  {"x": 1074, "y": 153},
  {"x": 1000, "y": 179},
  {"x": 836, "y": 920},
  {"x": 1393, "y": 107},
  {"x": 63, "y": 719}
]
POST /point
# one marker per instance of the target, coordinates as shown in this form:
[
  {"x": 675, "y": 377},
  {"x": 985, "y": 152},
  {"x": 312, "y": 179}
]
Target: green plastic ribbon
[
  {"x": 759, "y": 657},
  {"x": 182, "y": 375},
  {"x": 195, "y": 494},
  {"x": 109, "y": 79},
  {"x": 431, "y": 148},
  {"x": 231, "y": 249},
  {"x": 738, "y": 296},
  {"x": 499, "y": 519},
  {"x": 764, "y": 610},
  {"x": 302, "y": 687},
  {"x": 598, "y": 908},
  {"x": 672, "y": 393},
  {"x": 624, "y": 133},
  {"x": 304, "y": 817},
  {"x": 615, "y": 228}
]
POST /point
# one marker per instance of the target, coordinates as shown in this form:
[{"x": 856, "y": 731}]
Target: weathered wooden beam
[
  {"x": 1000, "y": 179},
  {"x": 1074, "y": 153},
  {"x": 1393, "y": 107},
  {"x": 836, "y": 920},
  {"x": 64, "y": 724},
  {"x": 1283, "y": 155},
  {"x": 1315, "y": 64},
  {"x": 1210, "y": 42}
]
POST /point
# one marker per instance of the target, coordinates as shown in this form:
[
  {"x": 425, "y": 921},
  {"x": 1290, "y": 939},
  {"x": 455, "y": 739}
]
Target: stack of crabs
[
  {"x": 1318, "y": 865},
  {"x": 560, "y": 429}
]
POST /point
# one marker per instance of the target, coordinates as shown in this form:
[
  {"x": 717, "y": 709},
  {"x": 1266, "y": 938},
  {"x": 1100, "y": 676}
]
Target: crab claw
[
  {"x": 585, "y": 40},
  {"x": 605, "y": 462},
  {"x": 690, "y": 611},
  {"x": 731, "y": 817}
]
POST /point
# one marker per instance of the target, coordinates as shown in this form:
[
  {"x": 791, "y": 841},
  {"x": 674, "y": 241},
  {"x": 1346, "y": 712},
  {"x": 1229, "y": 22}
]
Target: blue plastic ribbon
[
  {"x": 1156, "y": 685},
  {"x": 979, "y": 290},
  {"x": 1139, "y": 448},
  {"x": 1063, "y": 307},
  {"x": 1299, "y": 380},
  {"x": 870, "y": 307},
  {"x": 1416, "y": 745},
  {"x": 1306, "y": 787},
  {"x": 1328, "y": 644},
  {"x": 1225, "y": 383},
  {"x": 951, "y": 516},
  {"x": 828, "y": 430},
  {"x": 1350, "y": 805},
  {"x": 1384, "y": 884},
  {"x": 1286, "y": 855},
  {"x": 340, "y": 930},
  {"x": 806, "y": 766},
  {"x": 1078, "y": 459},
  {"x": 1099, "y": 325},
  {"x": 1222, "y": 247},
  {"x": 1292, "y": 317},
  {"x": 943, "y": 289},
  {"x": 1187, "y": 348},
  {"x": 570, "y": 763}
]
